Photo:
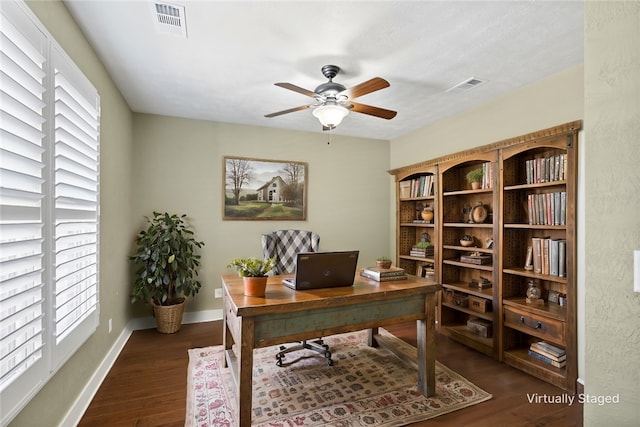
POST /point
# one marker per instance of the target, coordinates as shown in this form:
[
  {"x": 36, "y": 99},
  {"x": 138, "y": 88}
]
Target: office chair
[{"x": 283, "y": 246}]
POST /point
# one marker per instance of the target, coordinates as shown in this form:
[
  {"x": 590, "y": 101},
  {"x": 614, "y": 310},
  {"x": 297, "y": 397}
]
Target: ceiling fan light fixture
[{"x": 330, "y": 115}]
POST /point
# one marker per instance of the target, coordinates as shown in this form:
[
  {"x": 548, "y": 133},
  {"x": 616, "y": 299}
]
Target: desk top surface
[{"x": 280, "y": 298}]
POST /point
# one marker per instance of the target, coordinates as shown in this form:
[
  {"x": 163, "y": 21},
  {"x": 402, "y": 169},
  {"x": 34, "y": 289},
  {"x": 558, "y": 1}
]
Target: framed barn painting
[{"x": 258, "y": 189}]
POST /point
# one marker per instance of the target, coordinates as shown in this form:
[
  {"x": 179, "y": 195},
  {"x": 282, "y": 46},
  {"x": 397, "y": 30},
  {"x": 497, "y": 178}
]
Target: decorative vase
[
  {"x": 475, "y": 185},
  {"x": 533, "y": 292},
  {"x": 255, "y": 286},
  {"x": 427, "y": 214},
  {"x": 467, "y": 241},
  {"x": 169, "y": 317}
]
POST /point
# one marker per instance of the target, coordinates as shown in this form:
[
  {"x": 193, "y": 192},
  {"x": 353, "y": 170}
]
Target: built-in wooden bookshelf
[
  {"x": 528, "y": 196},
  {"x": 459, "y": 273},
  {"x": 417, "y": 190},
  {"x": 538, "y": 189}
]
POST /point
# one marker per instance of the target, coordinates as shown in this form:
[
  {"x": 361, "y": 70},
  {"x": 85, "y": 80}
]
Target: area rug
[{"x": 365, "y": 387}]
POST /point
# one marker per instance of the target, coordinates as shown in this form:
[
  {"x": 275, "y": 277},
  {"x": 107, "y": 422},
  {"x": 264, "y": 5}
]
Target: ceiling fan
[{"x": 334, "y": 101}]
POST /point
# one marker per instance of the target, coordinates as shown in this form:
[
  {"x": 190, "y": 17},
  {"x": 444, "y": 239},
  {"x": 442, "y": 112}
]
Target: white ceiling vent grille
[
  {"x": 466, "y": 85},
  {"x": 170, "y": 18}
]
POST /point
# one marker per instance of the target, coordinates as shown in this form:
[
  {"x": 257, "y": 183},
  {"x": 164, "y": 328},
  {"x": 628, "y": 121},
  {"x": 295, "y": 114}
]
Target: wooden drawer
[{"x": 533, "y": 324}]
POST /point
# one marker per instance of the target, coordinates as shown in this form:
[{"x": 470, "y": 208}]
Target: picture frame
[
  {"x": 554, "y": 297},
  {"x": 264, "y": 189}
]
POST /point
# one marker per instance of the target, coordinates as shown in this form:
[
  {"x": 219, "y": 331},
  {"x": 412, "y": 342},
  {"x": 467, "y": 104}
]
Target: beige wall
[
  {"x": 550, "y": 102},
  {"x": 58, "y": 395},
  {"x": 178, "y": 168},
  {"x": 612, "y": 126}
]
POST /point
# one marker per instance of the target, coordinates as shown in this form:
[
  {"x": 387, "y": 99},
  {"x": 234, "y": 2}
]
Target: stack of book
[
  {"x": 421, "y": 252},
  {"x": 419, "y": 187},
  {"x": 549, "y": 256},
  {"x": 548, "y": 353},
  {"x": 384, "y": 274},
  {"x": 547, "y": 208}
]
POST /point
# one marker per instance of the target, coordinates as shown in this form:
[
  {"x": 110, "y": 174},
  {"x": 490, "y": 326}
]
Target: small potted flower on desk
[{"x": 254, "y": 273}]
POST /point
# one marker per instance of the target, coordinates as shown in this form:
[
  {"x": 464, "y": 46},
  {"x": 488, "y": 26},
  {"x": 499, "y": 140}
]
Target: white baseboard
[{"x": 73, "y": 417}]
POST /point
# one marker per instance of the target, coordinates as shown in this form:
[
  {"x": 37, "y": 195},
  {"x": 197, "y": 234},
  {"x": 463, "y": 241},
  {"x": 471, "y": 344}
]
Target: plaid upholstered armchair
[{"x": 283, "y": 246}]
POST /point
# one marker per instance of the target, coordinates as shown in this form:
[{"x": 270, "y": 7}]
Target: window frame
[{"x": 58, "y": 347}]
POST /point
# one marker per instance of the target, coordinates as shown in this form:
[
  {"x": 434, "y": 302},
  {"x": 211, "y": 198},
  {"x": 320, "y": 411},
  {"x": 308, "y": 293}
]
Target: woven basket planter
[{"x": 169, "y": 317}]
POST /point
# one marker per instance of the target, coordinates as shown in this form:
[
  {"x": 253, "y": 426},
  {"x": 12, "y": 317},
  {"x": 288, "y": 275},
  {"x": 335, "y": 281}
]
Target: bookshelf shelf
[
  {"x": 461, "y": 287},
  {"x": 529, "y": 194}
]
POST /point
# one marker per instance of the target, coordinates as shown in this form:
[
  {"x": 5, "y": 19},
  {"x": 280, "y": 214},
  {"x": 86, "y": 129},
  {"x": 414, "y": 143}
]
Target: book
[
  {"x": 476, "y": 259},
  {"x": 545, "y": 256},
  {"x": 547, "y": 360},
  {"x": 554, "y": 251},
  {"x": 422, "y": 252},
  {"x": 550, "y": 348},
  {"x": 562, "y": 253},
  {"x": 536, "y": 243},
  {"x": 551, "y": 355},
  {"x": 405, "y": 189},
  {"x": 363, "y": 273},
  {"x": 383, "y": 272}
]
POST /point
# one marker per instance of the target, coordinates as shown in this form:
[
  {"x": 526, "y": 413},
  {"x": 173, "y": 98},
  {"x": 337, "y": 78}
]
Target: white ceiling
[{"x": 234, "y": 52}]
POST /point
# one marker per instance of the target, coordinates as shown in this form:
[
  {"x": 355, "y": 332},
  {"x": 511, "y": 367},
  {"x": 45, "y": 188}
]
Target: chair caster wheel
[{"x": 327, "y": 354}]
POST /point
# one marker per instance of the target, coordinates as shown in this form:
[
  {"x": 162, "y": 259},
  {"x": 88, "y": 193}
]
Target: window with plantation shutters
[{"x": 49, "y": 207}]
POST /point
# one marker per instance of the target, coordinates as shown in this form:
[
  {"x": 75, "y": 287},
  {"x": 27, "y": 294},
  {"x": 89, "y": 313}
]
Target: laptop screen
[{"x": 316, "y": 270}]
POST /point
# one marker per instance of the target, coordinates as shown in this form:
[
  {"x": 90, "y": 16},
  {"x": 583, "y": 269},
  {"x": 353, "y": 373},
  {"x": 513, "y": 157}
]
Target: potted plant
[
  {"x": 254, "y": 273},
  {"x": 474, "y": 178},
  {"x": 383, "y": 262},
  {"x": 168, "y": 268}
]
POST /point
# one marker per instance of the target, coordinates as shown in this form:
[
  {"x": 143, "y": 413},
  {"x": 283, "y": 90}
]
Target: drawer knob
[{"x": 537, "y": 326}]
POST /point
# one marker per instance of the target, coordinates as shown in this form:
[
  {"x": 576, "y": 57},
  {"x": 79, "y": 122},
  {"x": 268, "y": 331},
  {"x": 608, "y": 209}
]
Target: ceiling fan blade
[
  {"x": 364, "y": 88},
  {"x": 295, "y": 88},
  {"x": 373, "y": 111},
  {"x": 290, "y": 110}
]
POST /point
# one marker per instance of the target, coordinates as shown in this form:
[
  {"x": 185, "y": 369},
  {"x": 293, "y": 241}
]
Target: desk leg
[
  {"x": 371, "y": 337},
  {"x": 227, "y": 339},
  {"x": 427, "y": 348},
  {"x": 244, "y": 393}
]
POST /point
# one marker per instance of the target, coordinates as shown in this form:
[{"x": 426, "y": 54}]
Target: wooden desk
[{"x": 285, "y": 315}]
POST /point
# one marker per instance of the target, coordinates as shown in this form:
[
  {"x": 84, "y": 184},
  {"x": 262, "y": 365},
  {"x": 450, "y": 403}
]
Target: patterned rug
[{"x": 365, "y": 387}]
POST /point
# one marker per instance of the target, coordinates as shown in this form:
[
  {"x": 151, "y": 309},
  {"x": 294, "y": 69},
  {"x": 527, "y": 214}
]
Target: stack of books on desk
[
  {"x": 383, "y": 274},
  {"x": 548, "y": 353}
]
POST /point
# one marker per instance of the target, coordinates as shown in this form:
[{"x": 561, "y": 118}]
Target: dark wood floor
[{"x": 147, "y": 384}]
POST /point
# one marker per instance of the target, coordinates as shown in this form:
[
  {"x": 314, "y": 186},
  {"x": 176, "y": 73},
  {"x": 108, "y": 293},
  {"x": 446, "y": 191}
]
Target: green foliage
[
  {"x": 167, "y": 260},
  {"x": 252, "y": 267},
  {"x": 383, "y": 259},
  {"x": 424, "y": 245},
  {"x": 475, "y": 175}
]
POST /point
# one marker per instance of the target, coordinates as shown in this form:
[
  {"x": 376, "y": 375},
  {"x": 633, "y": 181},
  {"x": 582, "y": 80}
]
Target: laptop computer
[{"x": 317, "y": 270}]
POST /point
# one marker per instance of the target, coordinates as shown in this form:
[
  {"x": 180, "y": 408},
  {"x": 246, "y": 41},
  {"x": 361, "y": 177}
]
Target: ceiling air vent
[
  {"x": 465, "y": 85},
  {"x": 170, "y": 19}
]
